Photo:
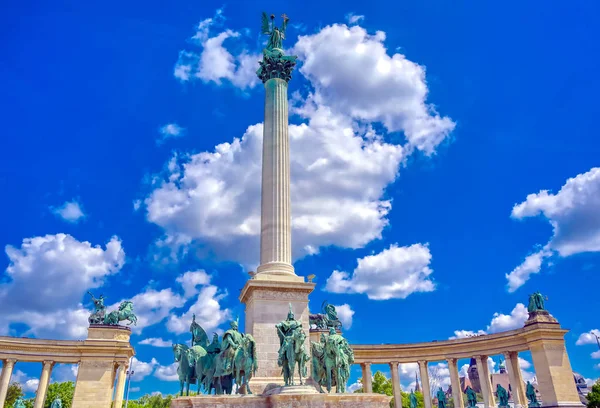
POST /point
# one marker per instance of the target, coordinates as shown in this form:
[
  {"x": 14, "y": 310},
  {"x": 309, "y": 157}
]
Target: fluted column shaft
[
  {"x": 367, "y": 378},
  {"x": 510, "y": 358},
  {"x": 7, "y": 370},
  {"x": 485, "y": 381},
  {"x": 276, "y": 221},
  {"x": 457, "y": 393},
  {"x": 423, "y": 370},
  {"x": 40, "y": 395},
  {"x": 396, "y": 384},
  {"x": 121, "y": 377}
]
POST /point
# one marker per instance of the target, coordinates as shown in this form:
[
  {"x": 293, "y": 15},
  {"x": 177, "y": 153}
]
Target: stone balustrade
[{"x": 102, "y": 357}]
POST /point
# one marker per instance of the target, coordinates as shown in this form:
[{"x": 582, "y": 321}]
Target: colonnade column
[
  {"x": 40, "y": 395},
  {"x": 512, "y": 366},
  {"x": 7, "y": 370},
  {"x": 457, "y": 394},
  {"x": 396, "y": 384},
  {"x": 485, "y": 381},
  {"x": 425, "y": 383},
  {"x": 121, "y": 376},
  {"x": 366, "y": 378}
]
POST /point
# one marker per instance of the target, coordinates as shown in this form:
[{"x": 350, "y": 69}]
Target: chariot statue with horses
[
  {"x": 124, "y": 312},
  {"x": 328, "y": 318},
  {"x": 216, "y": 366}
]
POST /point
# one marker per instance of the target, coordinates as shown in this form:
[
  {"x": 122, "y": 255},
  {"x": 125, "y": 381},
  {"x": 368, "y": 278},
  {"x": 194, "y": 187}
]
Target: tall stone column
[
  {"x": 7, "y": 370},
  {"x": 275, "y": 285},
  {"x": 367, "y": 378},
  {"x": 457, "y": 392},
  {"x": 40, "y": 395},
  {"x": 510, "y": 358},
  {"x": 121, "y": 377},
  {"x": 485, "y": 381},
  {"x": 276, "y": 221},
  {"x": 396, "y": 384},
  {"x": 423, "y": 370}
]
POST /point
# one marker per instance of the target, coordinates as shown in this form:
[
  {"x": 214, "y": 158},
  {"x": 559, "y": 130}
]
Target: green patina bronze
[
  {"x": 413, "y": 399},
  {"x": 275, "y": 64},
  {"x": 218, "y": 365},
  {"x": 57, "y": 403},
  {"x": 19, "y": 403},
  {"x": 327, "y": 319},
  {"x": 530, "y": 393},
  {"x": 471, "y": 397},
  {"x": 124, "y": 312},
  {"x": 97, "y": 317},
  {"x": 291, "y": 348},
  {"x": 441, "y": 397},
  {"x": 332, "y": 357},
  {"x": 502, "y": 395},
  {"x": 536, "y": 302}
]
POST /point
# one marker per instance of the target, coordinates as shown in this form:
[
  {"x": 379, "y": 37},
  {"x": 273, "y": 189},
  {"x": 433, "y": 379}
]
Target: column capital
[
  {"x": 10, "y": 361},
  {"x": 510, "y": 354},
  {"x": 366, "y": 364},
  {"x": 452, "y": 360},
  {"x": 422, "y": 362},
  {"x": 48, "y": 363},
  {"x": 393, "y": 363}
]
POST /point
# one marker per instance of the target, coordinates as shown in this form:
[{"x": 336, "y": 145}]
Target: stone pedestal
[
  {"x": 285, "y": 401},
  {"x": 267, "y": 303},
  {"x": 94, "y": 387}
]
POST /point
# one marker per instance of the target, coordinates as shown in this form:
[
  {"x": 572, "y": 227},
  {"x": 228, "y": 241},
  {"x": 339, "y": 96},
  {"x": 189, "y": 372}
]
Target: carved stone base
[
  {"x": 541, "y": 316},
  {"x": 284, "y": 401},
  {"x": 267, "y": 303}
]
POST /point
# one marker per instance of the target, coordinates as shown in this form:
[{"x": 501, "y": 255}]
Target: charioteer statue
[
  {"x": 328, "y": 318},
  {"x": 124, "y": 312}
]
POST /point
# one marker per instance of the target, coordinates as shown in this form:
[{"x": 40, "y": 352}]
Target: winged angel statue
[{"x": 275, "y": 63}]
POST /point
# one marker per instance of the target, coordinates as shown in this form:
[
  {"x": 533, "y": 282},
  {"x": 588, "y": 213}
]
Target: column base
[
  {"x": 267, "y": 303},
  {"x": 277, "y": 271}
]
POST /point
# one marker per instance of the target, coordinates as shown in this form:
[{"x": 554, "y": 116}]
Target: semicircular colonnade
[
  {"x": 541, "y": 335},
  {"x": 103, "y": 357}
]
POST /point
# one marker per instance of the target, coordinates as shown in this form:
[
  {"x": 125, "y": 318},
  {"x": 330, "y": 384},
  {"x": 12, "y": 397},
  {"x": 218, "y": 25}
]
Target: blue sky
[{"x": 424, "y": 135}]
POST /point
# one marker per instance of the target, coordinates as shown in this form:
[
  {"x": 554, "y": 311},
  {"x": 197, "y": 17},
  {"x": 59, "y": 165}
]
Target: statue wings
[{"x": 265, "y": 29}]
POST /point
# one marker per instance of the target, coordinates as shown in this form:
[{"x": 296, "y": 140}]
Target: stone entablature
[
  {"x": 489, "y": 345},
  {"x": 102, "y": 357}
]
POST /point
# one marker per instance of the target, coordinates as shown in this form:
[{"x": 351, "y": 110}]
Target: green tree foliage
[
  {"x": 381, "y": 385},
  {"x": 151, "y": 401},
  {"x": 63, "y": 390},
  {"x": 406, "y": 400},
  {"x": 594, "y": 396},
  {"x": 14, "y": 391}
]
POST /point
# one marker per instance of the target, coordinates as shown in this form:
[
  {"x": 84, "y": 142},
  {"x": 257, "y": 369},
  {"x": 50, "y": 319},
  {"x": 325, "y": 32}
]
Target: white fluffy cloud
[
  {"x": 142, "y": 369},
  {"x": 354, "y": 18},
  {"x": 70, "y": 211},
  {"x": 345, "y": 314},
  {"x": 29, "y": 384},
  {"x": 595, "y": 354},
  {"x": 49, "y": 276},
  {"x": 394, "y": 273},
  {"x": 522, "y": 273},
  {"x": 588, "y": 338},
  {"x": 353, "y": 74},
  {"x": 167, "y": 373},
  {"x": 340, "y": 165},
  {"x": 207, "y": 309},
  {"x": 214, "y": 63},
  {"x": 169, "y": 131},
  {"x": 500, "y": 322},
  {"x": 156, "y": 342},
  {"x": 575, "y": 219}
]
